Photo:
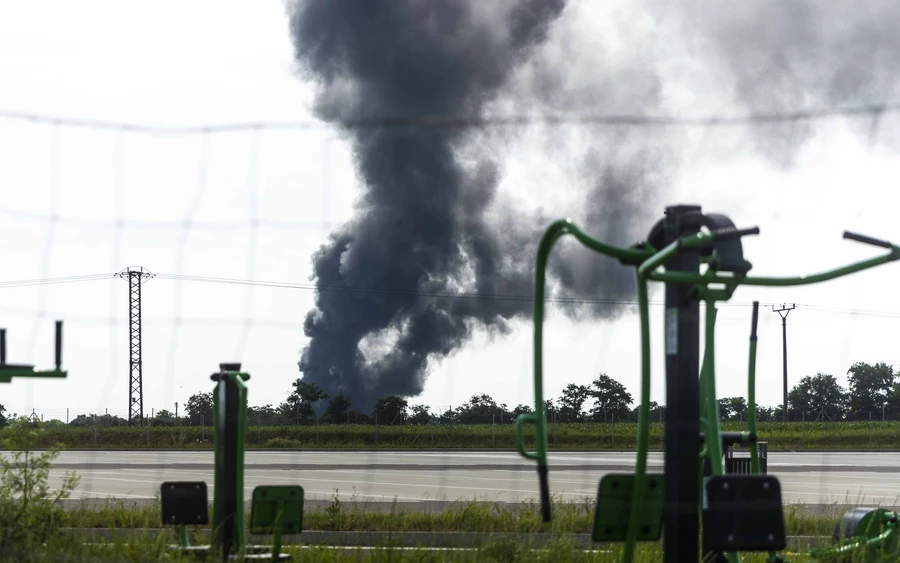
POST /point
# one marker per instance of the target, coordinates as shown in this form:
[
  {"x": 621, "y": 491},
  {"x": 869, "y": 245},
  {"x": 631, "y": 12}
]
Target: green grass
[
  {"x": 133, "y": 547},
  {"x": 568, "y": 518},
  {"x": 779, "y": 435}
]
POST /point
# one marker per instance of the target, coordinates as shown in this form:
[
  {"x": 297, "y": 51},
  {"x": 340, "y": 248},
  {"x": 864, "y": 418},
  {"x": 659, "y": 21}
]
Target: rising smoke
[{"x": 423, "y": 226}]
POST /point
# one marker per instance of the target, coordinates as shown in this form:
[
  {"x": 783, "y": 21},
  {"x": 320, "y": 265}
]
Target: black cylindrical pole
[
  {"x": 2, "y": 345},
  {"x": 784, "y": 360},
  {"x": 58, "y": 344},
  {"x": 681, "y": 512}
]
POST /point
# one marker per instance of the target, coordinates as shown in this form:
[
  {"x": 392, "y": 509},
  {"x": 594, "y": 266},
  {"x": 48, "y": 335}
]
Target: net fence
[{"x": 226, "y": 218}]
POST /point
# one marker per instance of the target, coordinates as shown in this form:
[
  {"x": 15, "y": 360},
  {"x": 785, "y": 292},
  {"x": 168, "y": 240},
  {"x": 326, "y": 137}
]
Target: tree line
[{"x": 873, "y": 391}]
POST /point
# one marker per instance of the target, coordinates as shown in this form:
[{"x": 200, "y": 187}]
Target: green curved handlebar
[{"x": 551, "y": 235}]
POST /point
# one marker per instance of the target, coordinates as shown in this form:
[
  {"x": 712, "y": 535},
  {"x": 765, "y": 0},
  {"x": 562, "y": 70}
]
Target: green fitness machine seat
[{"x": 741, "y": 509}]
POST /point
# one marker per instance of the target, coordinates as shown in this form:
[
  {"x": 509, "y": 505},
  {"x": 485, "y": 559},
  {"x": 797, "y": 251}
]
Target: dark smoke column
[{"x": 420, "y": 223}]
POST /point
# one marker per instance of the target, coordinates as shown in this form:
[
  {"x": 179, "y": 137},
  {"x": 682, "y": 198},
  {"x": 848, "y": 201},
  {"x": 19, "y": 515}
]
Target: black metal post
[
  {"x": 2, "y": 345},
  {"x": 135, "y": 277},
  {"x": 228, "y": 476},
  {"x": 681, "y": 513},
  {"x": 783, "y": 312}
]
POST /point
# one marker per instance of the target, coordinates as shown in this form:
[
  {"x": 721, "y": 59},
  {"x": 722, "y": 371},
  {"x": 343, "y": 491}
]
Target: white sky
[{"x": 122, "y": 199}]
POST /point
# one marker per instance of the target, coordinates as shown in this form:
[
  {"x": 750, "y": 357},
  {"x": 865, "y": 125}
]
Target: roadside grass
[
  {"x": 133, "y": 547},
  {"x": 471, "y": 516}
]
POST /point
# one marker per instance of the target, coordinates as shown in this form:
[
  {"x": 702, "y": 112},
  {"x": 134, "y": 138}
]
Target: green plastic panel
[
  {"x": 613, "y": 508},
  {"x": 269, "y": 501}
]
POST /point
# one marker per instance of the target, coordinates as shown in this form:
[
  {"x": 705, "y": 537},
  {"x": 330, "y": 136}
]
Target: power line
[
  {"x": 51, "y": 281},
  {"x": 417, "y": 293},
  {"x": 466, "y": 122}
]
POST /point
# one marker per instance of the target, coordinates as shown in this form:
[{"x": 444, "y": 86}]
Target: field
[{"x": 562, "y": 436}]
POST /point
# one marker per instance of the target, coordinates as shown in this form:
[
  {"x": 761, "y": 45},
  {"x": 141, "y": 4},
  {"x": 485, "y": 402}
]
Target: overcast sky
[{"x": 256, "y": 205}]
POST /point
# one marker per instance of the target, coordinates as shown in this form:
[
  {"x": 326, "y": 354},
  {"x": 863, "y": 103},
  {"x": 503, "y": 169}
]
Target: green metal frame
[
  {"x": 9, "y": 371},
  {"x": 237, "y": 378},
  {"x": 711, "y": 286}
]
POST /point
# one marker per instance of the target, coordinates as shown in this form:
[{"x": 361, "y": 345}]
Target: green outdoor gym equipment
[
  {"x": 9, "y": 371},
  {"x": 639, "y": 507},
  {"x": 274, "y": 509}
]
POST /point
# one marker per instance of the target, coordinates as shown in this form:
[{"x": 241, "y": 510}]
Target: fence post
[
  {"x": 202, "y": 430},
  {"x": 258, "y": 431},
  {"x": 376, "y": 429},
  {"x": 492, "y": 430},
  {"x": 317, "y": 430},
  {"x": 613, "y": 417}
]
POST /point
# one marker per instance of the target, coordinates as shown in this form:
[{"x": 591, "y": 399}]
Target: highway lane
[{"x": 410, "y": 477}]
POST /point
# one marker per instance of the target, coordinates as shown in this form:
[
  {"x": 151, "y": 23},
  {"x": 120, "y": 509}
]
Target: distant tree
[
  {"x": 266, "y": 416},
  {"x": 288, "y": 413},
  {"x": 449, "y": 415},
  {"x": 871, "y": 386},
  {"x": 479, "y": 409},
  {"x": 655, "y": 411},
  {"x": 521, "y": 409},
  {"x": 610, "y": 398},
  {"x": 338, "y": 409},
  {"x": 199, "y": 408},
  {"x": 303, "y": 397},
  {"x": 767, "y": 414},
  {"x": 97, "y": 421},
  {"x": 550, "y": 409},
  {"x": 419, "y": 415},
  {"x": 571, "y": 403},
  {"x": 358, "y": 417},
  {"x": 817, "y": 395},
  {"x": 53, "y": 424},
  {"x": 164, "y": 418},
  {"x": 732, "y": 408},
  {"x": 3, "y": 420},
  {"x": 390, "y": 410}
]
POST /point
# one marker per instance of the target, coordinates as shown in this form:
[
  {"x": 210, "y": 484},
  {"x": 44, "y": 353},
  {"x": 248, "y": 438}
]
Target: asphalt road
[{"x": 411, "y": 477}]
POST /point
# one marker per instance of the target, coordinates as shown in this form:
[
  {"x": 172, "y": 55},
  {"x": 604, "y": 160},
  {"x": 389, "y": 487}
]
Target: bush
[
  {"x": 282, "y": 443},
  {"x": 31, "y": 512}
]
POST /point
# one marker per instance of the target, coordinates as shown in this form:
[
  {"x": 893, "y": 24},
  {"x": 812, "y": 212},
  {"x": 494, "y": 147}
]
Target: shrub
[{"x": 31, "y": 512}]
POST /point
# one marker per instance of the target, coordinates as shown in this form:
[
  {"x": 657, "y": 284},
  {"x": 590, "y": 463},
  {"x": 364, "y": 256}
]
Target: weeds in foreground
[{"x": 31, "y": 512}]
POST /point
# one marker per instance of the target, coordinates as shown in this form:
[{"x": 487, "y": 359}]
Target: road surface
[{"x": 411, "y": 477}]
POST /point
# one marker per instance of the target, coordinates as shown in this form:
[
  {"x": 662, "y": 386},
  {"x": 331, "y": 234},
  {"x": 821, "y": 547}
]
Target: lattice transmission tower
[{"x": 135, "y": 277}]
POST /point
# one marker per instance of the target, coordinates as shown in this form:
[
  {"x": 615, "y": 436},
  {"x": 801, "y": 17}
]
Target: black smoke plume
[{"x": 422, "y": 228}]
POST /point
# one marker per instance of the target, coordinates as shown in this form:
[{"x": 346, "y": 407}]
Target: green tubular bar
[
  {"x": 751, "y": 393},
  {"x": 239, "y": 380},
  {"x": 538, "y": 418},
  {"x": 640, "y": 470}
]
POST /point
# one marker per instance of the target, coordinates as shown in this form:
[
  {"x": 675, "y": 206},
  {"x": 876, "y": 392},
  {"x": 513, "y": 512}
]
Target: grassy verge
[
  {"x": 779, "y": 435},
  {"x": 132, "y": 543},
  {"x": 132, "y": 547},
  {"x": 568, "y": 518}
]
